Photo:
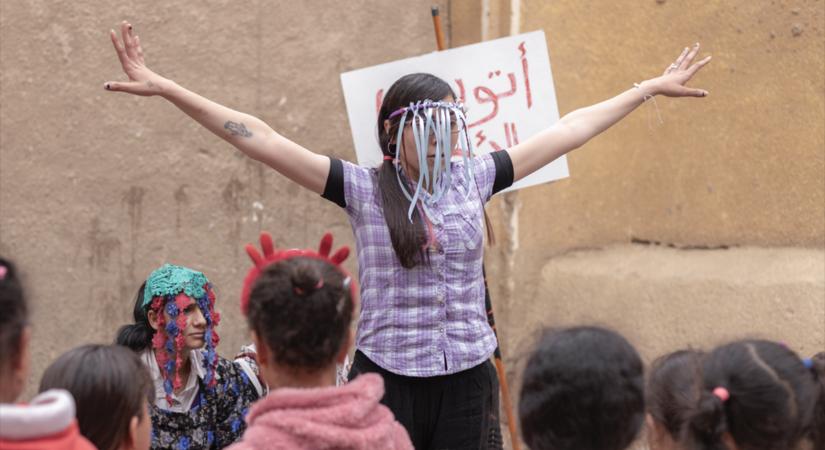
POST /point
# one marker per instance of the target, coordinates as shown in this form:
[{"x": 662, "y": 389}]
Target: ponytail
[
  {"x": 137, "y": 336},
  {"x": 707, "y": 423}
]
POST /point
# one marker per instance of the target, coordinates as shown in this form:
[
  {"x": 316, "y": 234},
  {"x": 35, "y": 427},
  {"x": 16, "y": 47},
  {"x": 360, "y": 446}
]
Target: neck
[{"x": 286, "y": 377}]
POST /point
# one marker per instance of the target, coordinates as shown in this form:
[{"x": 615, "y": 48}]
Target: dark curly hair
[
  {"x": 771, "y": 403},
  {"x": 301, "y": 308},
  {"x": 583, "y": 388}
]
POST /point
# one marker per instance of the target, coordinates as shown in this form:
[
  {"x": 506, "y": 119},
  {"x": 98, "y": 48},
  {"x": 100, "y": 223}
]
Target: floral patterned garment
[{"x": 216, "y": 418}]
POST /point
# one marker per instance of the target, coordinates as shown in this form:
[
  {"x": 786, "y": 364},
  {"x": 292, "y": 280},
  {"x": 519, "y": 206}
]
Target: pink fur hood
[{"x": 344, "y": 417}]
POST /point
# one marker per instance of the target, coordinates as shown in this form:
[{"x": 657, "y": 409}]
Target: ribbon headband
[
  {"x": 432, "y": 118},
  {"x": 427, "y": 104}
]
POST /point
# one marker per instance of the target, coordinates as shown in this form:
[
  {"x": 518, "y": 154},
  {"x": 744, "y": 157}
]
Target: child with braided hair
[
  {"x": 200, "y": 398},
  {"x": 299, "y": 305}
]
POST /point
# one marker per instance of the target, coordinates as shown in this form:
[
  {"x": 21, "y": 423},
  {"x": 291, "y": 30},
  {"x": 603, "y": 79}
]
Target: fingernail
[{"x": 106, "y": 86}]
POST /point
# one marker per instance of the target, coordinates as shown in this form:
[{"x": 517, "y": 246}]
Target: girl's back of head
[
  {"x": 754, "y": 394},
  {"x": 301, "y": 309},
  {"x": 583, "y": 389},
  {"x": 13, "y": 336},
  {"x": 672, "y": 391},
  {"x": 111, "y": 388}
]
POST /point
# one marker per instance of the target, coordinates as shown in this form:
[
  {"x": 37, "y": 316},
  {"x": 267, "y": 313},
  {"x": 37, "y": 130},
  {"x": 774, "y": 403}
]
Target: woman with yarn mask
[
  {"x": 417, "y": 220},
  {"x": 200, "y": 398}
]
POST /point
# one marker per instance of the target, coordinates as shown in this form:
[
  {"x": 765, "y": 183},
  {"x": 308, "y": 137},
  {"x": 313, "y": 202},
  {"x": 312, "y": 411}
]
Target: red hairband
[{"x": 272, "y": 255}]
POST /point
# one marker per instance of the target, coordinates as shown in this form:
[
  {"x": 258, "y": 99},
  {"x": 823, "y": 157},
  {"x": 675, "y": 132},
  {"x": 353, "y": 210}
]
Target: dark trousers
[{"x": 458, "y": 411}]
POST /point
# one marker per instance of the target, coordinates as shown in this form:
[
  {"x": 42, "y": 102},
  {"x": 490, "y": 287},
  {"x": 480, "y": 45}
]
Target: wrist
[
  {"x": 166, "y": 87},
  {"x": 649, "y": 87}
]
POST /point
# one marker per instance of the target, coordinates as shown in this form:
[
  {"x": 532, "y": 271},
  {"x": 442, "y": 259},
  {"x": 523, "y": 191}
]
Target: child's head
[
  {"x": 174, "y": 313},
  {"x": 754, "y": 395},
  {"x": 14, "y": 334},
  {"x": 583, "y": 389},
  {"x": 301, "y": 309},
  {"x": 111, "y": 388},
  {"x": 299, "y": 306},
  {"x": 672, "y": 391}
]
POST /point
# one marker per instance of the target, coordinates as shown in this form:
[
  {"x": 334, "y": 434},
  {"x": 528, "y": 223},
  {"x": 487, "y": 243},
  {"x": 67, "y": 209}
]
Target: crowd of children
[{"x": 583, "y": 387}]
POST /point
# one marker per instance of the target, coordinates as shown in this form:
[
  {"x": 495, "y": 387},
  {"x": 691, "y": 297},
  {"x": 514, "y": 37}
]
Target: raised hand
[
  {"x": 673, "y": 80},
  {"x": 142, "y": 81}
]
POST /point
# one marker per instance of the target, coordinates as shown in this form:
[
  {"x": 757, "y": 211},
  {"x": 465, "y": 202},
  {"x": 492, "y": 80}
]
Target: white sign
[{"x": 506, "y": 85}]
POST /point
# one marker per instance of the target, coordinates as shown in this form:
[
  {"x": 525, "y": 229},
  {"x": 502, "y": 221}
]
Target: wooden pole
[
  {"x": 502, "y": 374},
  {"x": 439, "y": 35}
]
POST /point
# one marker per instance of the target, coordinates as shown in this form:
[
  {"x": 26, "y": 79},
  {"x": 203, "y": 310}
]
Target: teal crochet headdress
[{"x": 170, "y": 279}]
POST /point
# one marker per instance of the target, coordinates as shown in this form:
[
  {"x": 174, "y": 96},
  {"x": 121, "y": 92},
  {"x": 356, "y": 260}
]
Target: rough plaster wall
[
  {"x": 97, "y": 189},
  {"x": 743, "y": 168}
]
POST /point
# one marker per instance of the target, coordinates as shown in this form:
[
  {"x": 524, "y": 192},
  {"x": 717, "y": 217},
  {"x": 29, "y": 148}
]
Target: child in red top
[{"x": 48, "y": 422}]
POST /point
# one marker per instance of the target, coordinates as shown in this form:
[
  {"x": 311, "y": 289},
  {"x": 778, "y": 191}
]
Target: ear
[
  {"x": 133, "y": 431},
  {"x": 342, "y": 353},
  {"x": 386, "y": 125},
  {"x": 261, "y": 350},
  {"x": 153, "y": 319}
]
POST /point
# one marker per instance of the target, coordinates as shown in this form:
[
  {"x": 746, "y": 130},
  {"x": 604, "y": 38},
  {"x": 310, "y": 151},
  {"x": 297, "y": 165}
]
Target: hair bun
[
  {"x": 708, "y": 422},
  {"x": 306, "y": 279}
]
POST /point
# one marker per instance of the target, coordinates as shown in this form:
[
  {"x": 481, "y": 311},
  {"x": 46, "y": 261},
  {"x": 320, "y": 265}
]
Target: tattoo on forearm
[{"x": 237, "y": 129}]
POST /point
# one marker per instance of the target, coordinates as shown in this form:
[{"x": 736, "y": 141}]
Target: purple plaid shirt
[{"x": 429, "y": 320}]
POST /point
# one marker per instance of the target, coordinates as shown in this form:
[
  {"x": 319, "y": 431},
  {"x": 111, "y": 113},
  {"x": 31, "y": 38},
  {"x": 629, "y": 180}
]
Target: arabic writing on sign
[
  {"x": 505, "y": 84},
  {"x": 487, "y": 99}
]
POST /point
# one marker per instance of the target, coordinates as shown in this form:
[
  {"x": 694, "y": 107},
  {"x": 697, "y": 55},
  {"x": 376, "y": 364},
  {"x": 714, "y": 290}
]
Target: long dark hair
[
  {"x": 137, "y": 336},
  {"x": 301, "y": 308},
  {"x": 771, "y": 401},
  {"x": 110, "y": 385},
  {"x": 408, "y": 239}
]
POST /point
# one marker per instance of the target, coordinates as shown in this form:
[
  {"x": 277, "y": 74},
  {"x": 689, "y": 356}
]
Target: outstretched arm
[
  {"x": 247, "y": 133},
  {"x": 579, "y": 126}
]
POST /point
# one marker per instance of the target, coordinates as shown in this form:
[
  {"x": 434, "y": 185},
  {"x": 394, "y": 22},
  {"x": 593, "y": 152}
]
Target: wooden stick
[
  {"x": 439, "y": 36},
  {"x": 502, "y": 374}
]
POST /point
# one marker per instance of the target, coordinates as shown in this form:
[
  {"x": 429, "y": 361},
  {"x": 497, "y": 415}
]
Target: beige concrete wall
[
  {"x": 725, "y": 201},
  {"x": 97, "y": 189}
]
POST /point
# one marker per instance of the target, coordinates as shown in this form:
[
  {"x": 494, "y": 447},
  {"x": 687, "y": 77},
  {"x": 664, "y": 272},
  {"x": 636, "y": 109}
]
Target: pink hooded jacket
[{"x": 343, "y": 417}]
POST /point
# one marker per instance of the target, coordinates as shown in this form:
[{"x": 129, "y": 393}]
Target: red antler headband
[{"x": 272, "y": 255}]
